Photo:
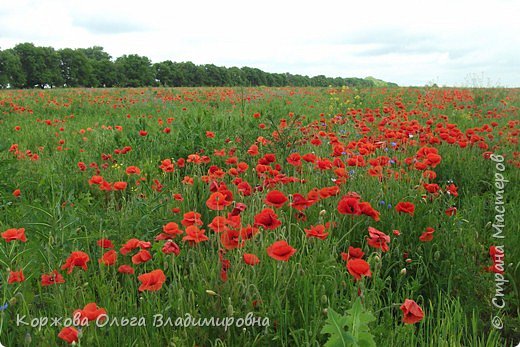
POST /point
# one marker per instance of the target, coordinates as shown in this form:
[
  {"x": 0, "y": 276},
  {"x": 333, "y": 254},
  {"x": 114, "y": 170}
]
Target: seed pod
[{"x": 210, "y": 292}]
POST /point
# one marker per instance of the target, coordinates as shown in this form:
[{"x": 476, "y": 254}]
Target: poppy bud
[
  {"x": 437, "y": 255},
  {"x": 325, "y": 311},
  {"x": 210, "y": 292},
  {"x": 230, "y": 310},
  {"x": 324, "y": 299},
  {"x": 322, "y": 213},
  {"x": 28, "y": 339},
  {"x": 403, "y": 272}
]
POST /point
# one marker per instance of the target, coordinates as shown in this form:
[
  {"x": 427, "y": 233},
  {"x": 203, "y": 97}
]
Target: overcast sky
[{"x": 411, "y": 42}]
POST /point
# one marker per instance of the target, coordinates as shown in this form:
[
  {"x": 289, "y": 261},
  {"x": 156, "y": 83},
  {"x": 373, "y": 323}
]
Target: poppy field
[{"x": 259, "y": 217}]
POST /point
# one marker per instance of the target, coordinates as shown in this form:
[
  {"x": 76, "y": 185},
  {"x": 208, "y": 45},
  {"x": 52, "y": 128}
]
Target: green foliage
[
  {"x": 134, "y": 71},
  {"x": 11, "y": 72},
  {"x": 41, "y": 65},
  {"x": 33, "y": 66},
  {"x": 76, "y": 68},
  {"x": 355, "y": 322}
]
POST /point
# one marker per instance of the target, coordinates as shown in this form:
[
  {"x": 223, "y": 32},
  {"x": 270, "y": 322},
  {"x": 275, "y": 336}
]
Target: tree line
[{"x": 29, "y": 66}]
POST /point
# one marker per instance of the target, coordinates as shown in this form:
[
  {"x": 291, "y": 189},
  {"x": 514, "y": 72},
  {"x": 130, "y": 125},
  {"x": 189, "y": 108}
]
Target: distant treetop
[{"x": 30, "y": 66}]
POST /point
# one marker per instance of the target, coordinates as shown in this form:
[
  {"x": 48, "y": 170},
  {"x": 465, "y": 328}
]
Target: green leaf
[
  {"x": 356, "y": 320},
  {"x": 335, "y": 326}
]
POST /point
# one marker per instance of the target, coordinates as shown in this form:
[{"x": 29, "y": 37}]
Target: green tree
[
  {"x": 169, "y": 74},
  {"x": 215, "y": 75},
  {"x": 134, "y": 71},
  {"x": 41, "y": 65},
  {"x": 103, "y": 68},
  {"x": 76, "y": 68},
  {"x": 236, "y": 77},
  {"x": 11, "y": 72}
]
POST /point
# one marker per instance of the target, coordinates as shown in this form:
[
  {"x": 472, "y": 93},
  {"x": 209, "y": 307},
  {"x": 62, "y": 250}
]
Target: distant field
[{"x": 260, "y": 217}]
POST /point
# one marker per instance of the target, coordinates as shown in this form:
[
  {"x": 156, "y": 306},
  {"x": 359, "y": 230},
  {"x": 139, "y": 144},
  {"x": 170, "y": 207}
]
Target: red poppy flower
[
  {"x": 129, "y": 246},
  {"x": 368, "y": 210},
  {"x": 452, "y": 190},
  {"x": 299, "y": 202},
  {"x": 17, "y": 193},
  {"x": 428, "y": 174},
  {"x": 219, "y": 224},
  {"x": 238, "y": 209},
  {"x": 82, "y": 166},
  {"x": 432, "y": 188},
  {"x": 250, "y": 259},
  {"x": 69, "y": 335},
  {"x": 317, "y": 231},
  {"x": 294, "y": 159},
  {"x": 105, "y": 243},
  {"x": 451, "y": 211},
  {"x": 405, "y": 207},
  {"x": 275, "y": 198},
  {"x": 310, "y": 157},
  {"x": 412, "y": 313},
  {"x": 253, "y": 150},
  {"x": 244, "y": 188},
  {"x": 248, "y": 232},
  {"x": 90, "y": 312},
  {"x": 280, "y": 250},
  {"x": 171, "y": 247},
  {"x": 53, "y": 278},
  {"x": 105, "y": 186},
  {"x": 217, "y": 201},
  {"x": 108, "y": 258},
  {"x": 16, "y": 276},
  {"x": 120, "y": 185},
  {"x": 126, "y": 269},
  {"x": 172, "y": 228},
  {"x": 151, "y": 281},
  {"x": 353, "y": 253},
  {"x": 14, "y": 234},
  {"x": 358, "y": 268},
  {"x": 97, "y": 180},
  {"x": 433, "y": 159},
  {"x": 349, "y": 205},
  {"x": 427, "y": 236},
  {"x": 267, "y": 219},
  {"x": 497, "y": 257},
  {"x": 191, "y": 218},
  {"x": 231, "y": 239},
  {"x": 167, "y": 165},
  {"x": 133, "y": 170},
  {"x": 378, "y": 239},
  {"x": 141, "y": 257},
  {"x": 77, "y": 258},
  {"x": 195, "y": 235}
]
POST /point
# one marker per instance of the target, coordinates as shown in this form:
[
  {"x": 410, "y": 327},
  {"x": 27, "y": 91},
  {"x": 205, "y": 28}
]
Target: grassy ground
[{"x": 213, "y": 131}]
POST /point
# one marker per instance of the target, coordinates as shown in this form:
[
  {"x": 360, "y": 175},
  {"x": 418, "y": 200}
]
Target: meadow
[{"x": 260, "y": 217}]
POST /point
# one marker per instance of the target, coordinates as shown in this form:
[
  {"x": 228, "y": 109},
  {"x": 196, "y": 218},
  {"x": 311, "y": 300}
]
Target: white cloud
[{"x": 409, "y": 42}]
